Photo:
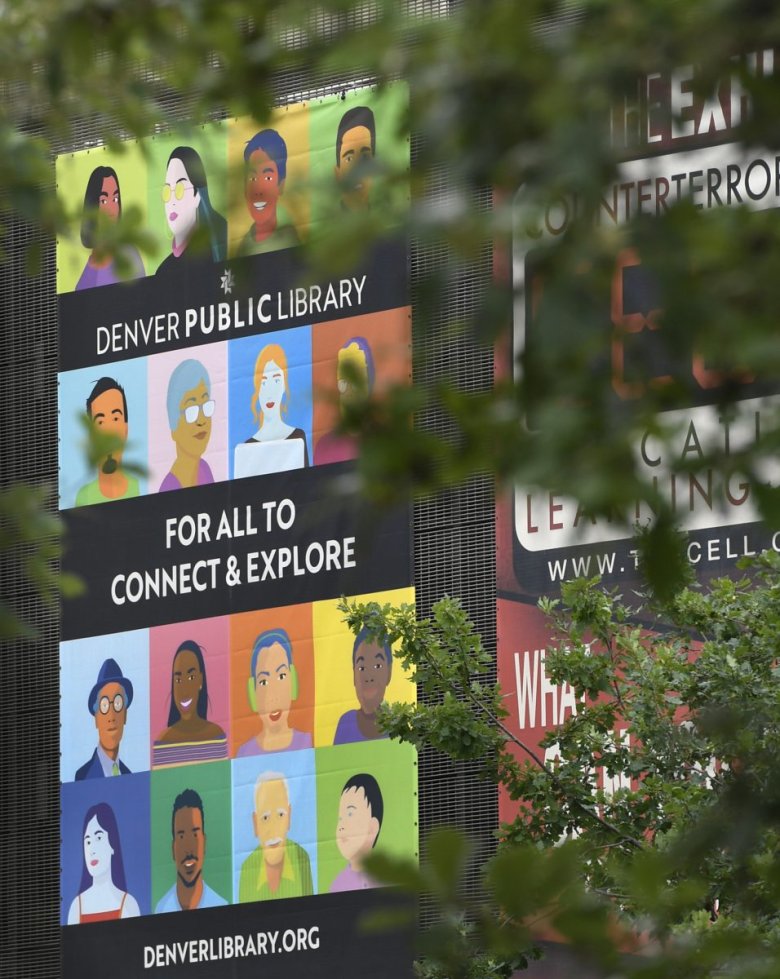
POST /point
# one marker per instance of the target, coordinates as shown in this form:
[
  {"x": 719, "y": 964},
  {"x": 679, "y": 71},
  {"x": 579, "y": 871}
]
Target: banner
[
  {"x": 676, "y": 145},
  {"x": 219, "y": 750}
]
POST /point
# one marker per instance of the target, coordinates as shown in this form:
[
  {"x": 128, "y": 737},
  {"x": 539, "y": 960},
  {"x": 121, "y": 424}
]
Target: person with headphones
[{"x": 272, "y": 687}]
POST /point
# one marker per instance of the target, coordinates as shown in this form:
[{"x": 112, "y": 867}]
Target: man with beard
[
  {"x": 107, "y": 411},
  {"x": 355, "y": 152},
  {"x": 188, "y": 826},
  {"x": 278, "y": 867}
]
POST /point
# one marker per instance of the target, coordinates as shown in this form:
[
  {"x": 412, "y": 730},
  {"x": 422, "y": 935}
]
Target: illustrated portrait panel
[
  {"x": 184, "y": 448},
  {"x": 118, "y": 407},
  {"x": 203, "y": 847},
  {"x": 102, "y": 190},
  {"x": 272, "y": 709},
  {"x": 97, "y": 669},
  {"x": 274, "y": 809},
  {"x": 392, "y": 779},
  {"x": 97, "y": 817},
  {"x": 189, "y": 692},
  {"x": 352, "y": 677}
]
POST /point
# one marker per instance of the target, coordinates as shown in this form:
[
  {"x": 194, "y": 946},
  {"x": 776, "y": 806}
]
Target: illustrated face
[
  {"x": 111, "y": 725},
  {"x": 108, "y": 415},
  {"x": 192, "y": 437},
  {"x": 357, "y": 829},
  {"x": 187, "y": 683},
  {"x": 262, "y": 190},
  {"x": 351, "y": 374},
  {"x": 108, "y": 201},
  {"x": 271, "y": 820},
  {"x": 181, "y": 206},
  {"x": 97, "y": 849},
  {"x": 355, "y": 148},
  {"x": 271, "y": 388},
  {"x": 372, "y": 674},
  {"x": 189, "y": 844},
  {"x": 273, "y": 686}
]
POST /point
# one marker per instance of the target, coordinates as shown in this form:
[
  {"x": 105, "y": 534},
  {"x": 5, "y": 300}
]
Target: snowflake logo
[{"x": 227, "y": 282}]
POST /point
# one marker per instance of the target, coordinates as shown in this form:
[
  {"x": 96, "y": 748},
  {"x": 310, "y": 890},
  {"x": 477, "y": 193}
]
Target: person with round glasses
[
  {"x": 108, "y": 701},
  {"x": 190, "y": 410},
  {"x": 198, "y": 231}
]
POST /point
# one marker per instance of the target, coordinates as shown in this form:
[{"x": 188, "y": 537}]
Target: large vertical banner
[
  {"x": 676, "y": 146},
  {"x": 220, "y": 753}
]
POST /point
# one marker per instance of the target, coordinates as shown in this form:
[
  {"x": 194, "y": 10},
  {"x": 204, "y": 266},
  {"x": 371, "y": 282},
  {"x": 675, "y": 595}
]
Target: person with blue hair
[
  {"x": 190, "y": 410},
  {"x": 272, "y": 687},
  {"x": 372, "y": 667},
  {"x": 198, "y": 230},
  {"x": 265, "y": 173},
  {"x": 354, "y": 381},
  {"x": 361, "y": 811}
]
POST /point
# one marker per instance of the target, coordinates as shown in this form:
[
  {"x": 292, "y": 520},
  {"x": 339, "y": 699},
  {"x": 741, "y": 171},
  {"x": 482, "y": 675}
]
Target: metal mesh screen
[
  {"x": 29, "y": 696},
  {"x": 454, "y": 543}
]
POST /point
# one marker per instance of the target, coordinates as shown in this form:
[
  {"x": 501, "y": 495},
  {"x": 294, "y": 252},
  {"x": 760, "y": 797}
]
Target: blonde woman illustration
[{"x": 276, "y": 445}]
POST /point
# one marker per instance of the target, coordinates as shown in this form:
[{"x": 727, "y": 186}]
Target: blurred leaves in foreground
[
  {"x": 533, "y": 107},
  {"x": 646, "y": 833},
  {"x": 614, "y": 839}
]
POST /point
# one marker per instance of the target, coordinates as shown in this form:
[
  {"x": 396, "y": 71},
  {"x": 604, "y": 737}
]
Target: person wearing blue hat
[{"x": 108, "y": 702}]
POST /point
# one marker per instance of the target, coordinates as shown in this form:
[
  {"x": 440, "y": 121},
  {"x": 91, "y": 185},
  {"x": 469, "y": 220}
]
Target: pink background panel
[
  {"x": 213, "y": 636},
  {"x": 162, "y": 450}
]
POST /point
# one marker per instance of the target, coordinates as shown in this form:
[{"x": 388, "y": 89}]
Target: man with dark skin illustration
[
  {"x": 107, "y": 410},
  {"x": 265, "y": 174},
  {"x": 108, "y": 702},
  {"x": 188, "y": 827},
  {"x": 355, "y": 151},
  {"x": 372, "y": 668}
]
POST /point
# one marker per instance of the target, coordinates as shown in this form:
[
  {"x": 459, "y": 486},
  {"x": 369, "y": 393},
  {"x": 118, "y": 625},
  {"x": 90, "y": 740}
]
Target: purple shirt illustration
[
  {"x": 205, "y": 476},
  {"x": 361, "y": 811},
  {"x": 351, "y": 880},
  {"x": 190, "y": 409},
  {"x": 300, "y": 740},
  {"x": 347, "y": 729},
  {"x": 372, "y": 668}
]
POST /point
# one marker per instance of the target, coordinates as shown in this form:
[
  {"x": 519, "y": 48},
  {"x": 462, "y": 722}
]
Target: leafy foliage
[
  {"x": 505, "y": 95},
  {"x": 509, "y": 95},
  {"x": 656, "y": 800}
]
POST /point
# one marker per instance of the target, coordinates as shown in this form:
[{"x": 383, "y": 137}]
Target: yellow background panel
[
  {"x": 292, "y": 124},
  {"x": 335, "y": 687}
]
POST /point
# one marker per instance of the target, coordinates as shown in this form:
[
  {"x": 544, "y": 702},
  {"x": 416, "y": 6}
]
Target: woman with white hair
[{"x": 190, "y": 409}]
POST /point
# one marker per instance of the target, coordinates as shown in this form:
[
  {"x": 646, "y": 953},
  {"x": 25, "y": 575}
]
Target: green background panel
[
  {"x": 394, "y": 766},
  {"x": 392, "y": 149},
  {"x": 211, "y": 780},
  {"x": 73, "y": 171}
]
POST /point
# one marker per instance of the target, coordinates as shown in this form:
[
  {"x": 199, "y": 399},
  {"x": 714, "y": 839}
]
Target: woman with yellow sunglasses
[{"x": 198, "y": 230}]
